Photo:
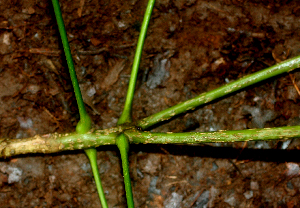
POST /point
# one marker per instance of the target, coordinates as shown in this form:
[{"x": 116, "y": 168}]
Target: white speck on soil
[
  {"x": 14, "y": 173},
  {"x": 174, "y": 201},
  {"x": 248, "y": 194},
  {"x": 231, "y": 201},
  {"x": 254, "y": 185},
  {"x": 6, "y": 39},
  {"x": 25, "y": 123},
  {"x": 293, "y": 169}
]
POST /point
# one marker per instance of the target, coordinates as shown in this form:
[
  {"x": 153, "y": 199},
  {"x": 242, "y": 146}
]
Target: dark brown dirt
[{"x": 191, "y": 47}]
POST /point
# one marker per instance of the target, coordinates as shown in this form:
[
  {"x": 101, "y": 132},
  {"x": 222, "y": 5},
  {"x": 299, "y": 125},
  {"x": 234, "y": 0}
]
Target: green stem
[
  {"x": 85, "y": 122},
  {"x": 92, "y": 153},
  {"x": 123, "y": 145},
  {"x": 287, "y": 132},
  {"x": 84, "y": 125},
  {"x": 227, "y": 89},
  {"x": 126, "y": 117},
  {"x": 126, "y": 114},
  {"x": 52, "y": 143}
]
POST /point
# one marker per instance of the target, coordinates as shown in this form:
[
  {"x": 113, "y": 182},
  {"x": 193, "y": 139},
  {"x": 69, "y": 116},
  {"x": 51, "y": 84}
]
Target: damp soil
[{"x": 191, "y": 47}]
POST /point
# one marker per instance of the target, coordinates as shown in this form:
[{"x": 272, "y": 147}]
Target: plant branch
[
  {"x": 126, "y": 114},
  {"x": 52, "y": 143},
  {"x": 123, "y": 145},
  {"x": 227, "y": 89},
  {"x": 92, "y": 154},
  {"x": 84, "y": 125},
  {"x": 287, "y": 132},
  {"x": 85, "y": 122}
]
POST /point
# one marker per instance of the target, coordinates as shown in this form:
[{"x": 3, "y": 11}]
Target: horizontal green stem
[
  {"x": 227, "y": 89},
  {"x": 213, "y": 137},
  {"x": 51, "y": 143}
]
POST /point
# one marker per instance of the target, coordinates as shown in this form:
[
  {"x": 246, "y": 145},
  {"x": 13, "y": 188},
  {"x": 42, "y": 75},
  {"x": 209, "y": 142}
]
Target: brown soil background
[{"x": 191, "y": 47}]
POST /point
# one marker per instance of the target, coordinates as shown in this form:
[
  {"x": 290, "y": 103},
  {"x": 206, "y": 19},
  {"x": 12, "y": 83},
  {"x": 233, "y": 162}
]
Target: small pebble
[
  {"x": 25, "y": 123},
  {"x": 139, "y": 173},
  {"x": 159, "y": 72},
  {"x": 33, "y": 89},
  {"x": 286, "y": 144},
  {"x": 52, "y": 178},
  {"x": 203, "y": 199},
  {"x": 50, "y": 167},
  {"x": 231, "y": 201},
  {"x": 14, "y": 174},
  {"x": 262, "y": 145},
  {"x": 254, "y": 185},
  {"x": 121, "y": 24},
  {"x": 174, "y": 201},
  {"x": 214, "y": 166},
  {"x": 37, "y": 36},
  {"x": 5, "y": 43},
  {"x": 248, "y": 194},
  {"x": 85, "y": 167},
  {"x": 293, "y": 169},
  {"x": 91, "y": 92},
  {"x": 152, "y": 186}
]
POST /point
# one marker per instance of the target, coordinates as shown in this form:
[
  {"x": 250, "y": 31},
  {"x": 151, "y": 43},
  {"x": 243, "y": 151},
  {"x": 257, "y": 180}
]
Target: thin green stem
[
  {"x": 123, "y": 145},
  {"x": 92, "y": 153},
  {"x": 126, "y": 117},
  {"x": 126, "y": 114},
  {"x": 227, "y": 89},
  {"x": 84, "y": 125},
  {"x": 213, "y": 137},
  {"x": 85, "y": 122}
]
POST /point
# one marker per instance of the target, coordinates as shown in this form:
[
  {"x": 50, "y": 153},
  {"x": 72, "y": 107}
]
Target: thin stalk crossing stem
[
  {"x": 126, "y": 116},
  {"x": 85, "y": 123}
]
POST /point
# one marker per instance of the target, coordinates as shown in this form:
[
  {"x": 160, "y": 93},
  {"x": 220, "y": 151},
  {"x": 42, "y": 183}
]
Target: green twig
[
  {"x": 213, "y": 137},
  {"x": 85, "y": 122},
  {"x": 51, "y": 143},
  {"x": 227, "y": 89},
  {"x": 127, "y": 111},
  {"x": 123, "y": 145},
  {"x": 126, "y": 116},
  {"x": 92, "y": 153}
]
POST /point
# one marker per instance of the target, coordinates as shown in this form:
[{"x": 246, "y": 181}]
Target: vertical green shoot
[
  {"x": 84, "y": 124},
  {"x": 127, "y": 111},
  {"x": 123, "y": 145},
  {"x": 126, "y": 117},
  {"x": 92, "y": 154}
]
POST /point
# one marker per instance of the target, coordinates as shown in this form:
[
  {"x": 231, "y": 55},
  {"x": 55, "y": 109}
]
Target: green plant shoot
[
  {"x": 126, "y": 117},
  {"x": 85, "y": 123}
]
